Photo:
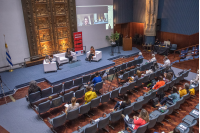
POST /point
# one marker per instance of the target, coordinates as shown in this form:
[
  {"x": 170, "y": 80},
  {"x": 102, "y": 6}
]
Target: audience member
[
  {"x": 153, "y": 58},
  {"x": 155, "y": 66},
  {"x": 73, "y": 105},
  {"x": 33, "y": 87},
  {"x": 122, "y": 104},
  {"x": 89, "y": 95},
  {"x": 168, "y": 77},
  {"x": 68, "y": 55},
  {"x": 166, "y": 62},
  {"x": 97, "y": 79},
  {"x": 173, "y": 98},
  {"x": 159, "y": 84},
  {"x": 140, "y": 56},
  {"x": 185, "y": 90},
  {"x": 136, "y": 122}
]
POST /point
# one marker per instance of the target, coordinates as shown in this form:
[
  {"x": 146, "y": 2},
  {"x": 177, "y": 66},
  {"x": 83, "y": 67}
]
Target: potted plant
[{"x": 114, "y": 37}]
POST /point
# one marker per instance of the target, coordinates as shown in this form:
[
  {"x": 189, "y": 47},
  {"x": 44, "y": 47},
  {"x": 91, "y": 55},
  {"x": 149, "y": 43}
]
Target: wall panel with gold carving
[{"x": 49, "y": 24}]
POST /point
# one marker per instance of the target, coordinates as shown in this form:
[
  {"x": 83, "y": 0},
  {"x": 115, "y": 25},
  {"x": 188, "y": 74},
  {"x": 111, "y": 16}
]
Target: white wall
[{"x": 13, "y": 26}]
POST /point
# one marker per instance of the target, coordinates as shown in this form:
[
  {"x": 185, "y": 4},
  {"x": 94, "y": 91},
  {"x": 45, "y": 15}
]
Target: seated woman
[
  {"x": 68, "y": 55},
  {"x": 122, "y": 104},
  {"x": 92, "y": 53},
  {"x": 89, "y": 95},
  {"x": 173, "y": 98},
  {"x": 97, "y": 79},
  {"x": 168, "y": 77},
  {"x": 138, "y": 75},
  {"x": 185, "y": 90},
  {"x": 73, "y": 105},
  {"x": 136, "y": 122},
  {"x": 33, "y": 87}
]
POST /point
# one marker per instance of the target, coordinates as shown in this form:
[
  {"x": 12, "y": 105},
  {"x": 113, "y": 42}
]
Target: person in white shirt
[
  {"x": 167, "y": 62},
  {"x": 153, "y": 58},
  {"x": 196, "y": 80},
  {"x": 73, "y": 105}
]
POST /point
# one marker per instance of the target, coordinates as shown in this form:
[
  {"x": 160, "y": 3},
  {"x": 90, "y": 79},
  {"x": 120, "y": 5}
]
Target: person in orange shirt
[
  {"x": 136, "y": 122},
  {"x": 159, "y": 83}
]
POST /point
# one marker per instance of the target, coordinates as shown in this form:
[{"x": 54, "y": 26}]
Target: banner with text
[{"x": 78, "y": 43}]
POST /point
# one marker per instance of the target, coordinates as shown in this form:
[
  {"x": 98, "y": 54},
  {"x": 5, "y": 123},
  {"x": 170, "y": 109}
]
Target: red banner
[{"x": 78, "y": 43}]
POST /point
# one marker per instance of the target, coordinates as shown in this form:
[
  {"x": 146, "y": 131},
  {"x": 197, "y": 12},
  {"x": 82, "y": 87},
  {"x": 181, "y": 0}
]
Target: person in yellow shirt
[
  {"x": 89, "y": 95},
  {"x": 185, "y": 90}
]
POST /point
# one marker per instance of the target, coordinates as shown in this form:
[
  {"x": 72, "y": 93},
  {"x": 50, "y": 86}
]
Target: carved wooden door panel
[{"x": 49, "y": 25}]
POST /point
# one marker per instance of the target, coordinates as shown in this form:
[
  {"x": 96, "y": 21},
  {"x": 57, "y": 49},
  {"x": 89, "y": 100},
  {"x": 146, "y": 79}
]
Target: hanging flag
[{"x": 8, "y": 57}]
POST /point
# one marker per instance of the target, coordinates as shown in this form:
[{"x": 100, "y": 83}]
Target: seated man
[
  {"x": 97, "y": 79},
  {"x": 48, "y": 59},
  {"x": 122, "y": 104},
  {"x": 33, "y": 87},
  {"x": 140, "y": 56},
  {"x": 89, "y": 95},
  {"x": 167, "y": 62}
]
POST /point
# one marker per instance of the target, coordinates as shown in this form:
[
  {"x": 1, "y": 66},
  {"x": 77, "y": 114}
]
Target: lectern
[{"x": 127, "y": 44}]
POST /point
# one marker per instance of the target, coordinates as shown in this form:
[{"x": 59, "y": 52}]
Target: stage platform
[{"x": 22, "y": 76}]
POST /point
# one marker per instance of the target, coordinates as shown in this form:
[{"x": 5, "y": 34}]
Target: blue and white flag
[{"x": 8, "y": 57}]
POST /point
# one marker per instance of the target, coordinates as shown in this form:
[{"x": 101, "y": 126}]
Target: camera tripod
[{"x": 2, "y": 90}]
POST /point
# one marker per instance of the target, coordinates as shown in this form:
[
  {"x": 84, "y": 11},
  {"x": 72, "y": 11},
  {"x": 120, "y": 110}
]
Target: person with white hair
[
  {"x": 33, "y": 87},
  {"x": 153, "y": 58},
  {"x": 140, "y": 55},
  {"x": 196, "y": 80}
]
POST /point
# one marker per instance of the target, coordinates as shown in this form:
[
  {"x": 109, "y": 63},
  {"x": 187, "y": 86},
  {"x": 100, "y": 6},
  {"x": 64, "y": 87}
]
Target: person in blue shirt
[
  {"x": 140, "y": 56},
  {"x": 97, "y": 79}
]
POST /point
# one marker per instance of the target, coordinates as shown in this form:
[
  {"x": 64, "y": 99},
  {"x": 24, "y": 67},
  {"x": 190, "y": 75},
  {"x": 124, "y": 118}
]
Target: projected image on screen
[{"x": 95, "y": 20}]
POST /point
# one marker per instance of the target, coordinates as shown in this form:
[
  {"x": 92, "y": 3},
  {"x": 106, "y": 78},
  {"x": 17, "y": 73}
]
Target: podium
[{"x": 127, "y": 44}]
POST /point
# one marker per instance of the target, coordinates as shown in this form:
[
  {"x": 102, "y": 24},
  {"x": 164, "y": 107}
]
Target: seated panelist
[{"x": 48, "y": 59}]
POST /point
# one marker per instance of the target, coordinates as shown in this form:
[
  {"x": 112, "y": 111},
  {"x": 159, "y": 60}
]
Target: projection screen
[{"x": 95, "y": 20}]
